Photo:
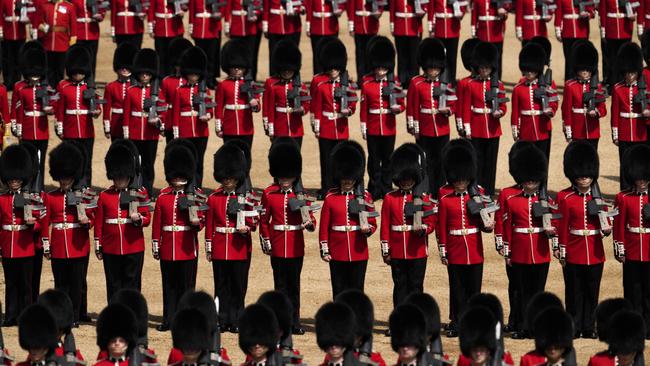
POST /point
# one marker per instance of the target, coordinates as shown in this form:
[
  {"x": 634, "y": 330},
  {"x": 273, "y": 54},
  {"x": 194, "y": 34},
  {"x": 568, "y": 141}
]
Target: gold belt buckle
[
  {"x": 237, "y": 107},
  {"x": 404, "y": 227},
  {"x": 65, "y": 226},
  {"x": 585, "y": 232},
  {"x": 121, "y": 220},
  {"x": 463, "y": 231},
  {"x": 531, "y": 230},
  {"x": 286, "y": 227},
  {"x": 15, "y": 227},
  {"x": 174, "y": 228},
  {"x": 348, "y": 228},
  {"x": 289, "y": 109}
]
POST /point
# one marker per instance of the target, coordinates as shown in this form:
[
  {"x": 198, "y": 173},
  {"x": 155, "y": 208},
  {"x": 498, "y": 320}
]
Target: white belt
[
  {"x": 616, "y": 15},
  {"x": 578, "y": 110},
  {"x": 630, "y": 115},
  {"x": 529, "y": 230},
  {"x": 237, "y": 107},
  {"x": 84, "y": 20},
  {"x": 225, "y": 230},
  {"x": 139, "y": 114},
  {"x": 639, "y": 230},
  {"x": 284, "y": 109},
  {"x": 404, "y": 15},
  {"x": 189, "y": 114},
  {"x": 379, "y": 111},
  {"x": 463, "y": 232},
  {"x": 487, "y": 18},
  {"x": 362, "y": 13},
  {"x": 34, "y": 113},
  {"x": 481, "y": 110},
  {"x": 118, "y": 221},
  {"x": 14, "y": 227},
  {"x": 12, "y": 19},
  {"x": 174, "y": 228},
  {"x": 239, "y": 12},
  {"x": 165, "y": 15},
  {"x": 532, "y": 17},
  {"x": 444, "y": 15},
  {"x": 428, "y": 110},
  {"x": 76, "y": 112},
  {"x": 287, "y": 227},
  {"x": 125, "y": 14},
  {"x": 346, "y": 228},
  {"x": 401, "y": 228},
  {"x": 571, "y": 16},
  {"x": 203, "y": 15},
  {"x": 531, "y": 112},
  {"x": 585, "y": 232},
  {"x": 321, "y": 14},
  {"x": 117, "y": 110},
  {"x": 278, "y": 11},
  {"x": 66, "y": 225},
  {"x": 31, "y": 9},
  {"x": 331, "y": 115}
]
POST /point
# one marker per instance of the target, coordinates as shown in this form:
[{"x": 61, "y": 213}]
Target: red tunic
[
  {"x": 614, "y": 23},
  {"x": 233, "y": 112},
  {"x": 163, "y": 21},
  {"x": 68, "y": 238},
  {"x": 87, "y": 26},
  {"x": 530, "y": 21},
  {"x": 478, "y": 113},
  {"x": 627, "y": 122},
  {"x": 643, "y": 15},
  {"x": 523, "y": 232},
  {"x": 124, "y": 19},
  {"x": 444, "y": 20},
  {"x": 168, "y": 88},
  {"x": 61, "y": 17},
  {"x": 486, "y": 23},
  {"x": 461, "y": 89},
  {"x": 331, "y": 124},
  {"x": 11, "y": 28},
  {"x": 114, "y": 231},
  {"x": 185, "y": 121},
  {"x": 31, "y": 120},
  {"x": 135, "y": 123},
  {"x": 343, "y": 244},
  {"x": 400, "y": 240},
  {"x": 603, "y": 359},
  {"x": 275, "y": 19},
  {"x": 176, "y": 356},
  {"x": 465, "y": 361},
  {"x": 403, "y": 19},
  {"x": 281, "y": 121},
  {"x": 376, "y": 115},
  {"x": 320, "y": 19},
  {"x": 532, "y": 358},
  {"x": 14, "y": 101},
  {"x": 458, "y": 232},
  {"x": 527, "y": 114},
  {"x": 375, "y": 357},
  {"x": 630, "y": 218},
  {"x": 574, "y": 111},
  {"x": 115, "y": 95},
  {"x": 568, "y": 20},
  {"x": 236, "y": 20},
  {"x": 422, "y": 107},
  {"x": 220, "y": 229},
  {"x": 72, "y": 111},
  {"x": 16, "y": 238},
  {"x": 360, "y": 18},
  {"x": 102, "y": 354},
  {"x": 204, "y": 24}
]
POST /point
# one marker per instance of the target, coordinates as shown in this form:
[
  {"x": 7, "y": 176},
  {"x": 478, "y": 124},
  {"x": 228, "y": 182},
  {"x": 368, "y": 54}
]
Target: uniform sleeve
[
  {"x": 352, "y": 105},
  {"x": 557, "y": 22},
  {"x": 176, "y": 110},
  {"x": 402, "y": 100},
  {"x": 566, "y": 105},
  {"x": 4, "y": 106},
  {"x": 108, "y": 96},
  {"x": 126, "y": 116},
  {"x": 442, "y": 223},
  {"x": 144, "y": 211},
  {"x": 514, "y": 115},
  {"x": 411, "y": 103},
  {"x": 156, "y": 229},
  {"x": 60, "y": 105},
  {"x": 502, "y": 94},
  {"x": 269, "y": 96},
  {"x": 507, "y": 224},
  {"x": 19, "y": 110},
  {"x": 372, "y": 221},
  {"x": 602, "y": 108},
  {"x": 499, "y": 215},
  {"x": 384, "y": 233},
  {"x": 563, "y": 230},
  {"x": 265, "y": 218},
  {"x": 619, "y": 220},
  {"x": 467, "y": 103},
  {"x": 430, "y": 220},
  {"x": 554, "y": 104},
  {"x": 73, "y": 22},
  {"x": 99, "y": 219},
  {"x": 363, "y": 113},
  {"x": 616, "y": 106},
  {"x": 305, "y": 103},
  {"x": 324, "y": 228},
  {"x": 209, "y": 219},
  {"x": 308, "y": 13},
  {"x": 45, "y": 220},
  {"x": 519, "y": 16},
  {"x": 219, "y": 100},
  {"x": 317, "y": 106}
]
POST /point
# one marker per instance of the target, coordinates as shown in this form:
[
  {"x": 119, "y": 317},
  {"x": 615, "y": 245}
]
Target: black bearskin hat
[
  {"x": 645, "y": 44},
  {"x": 546, "y": 45},
  {"x": 177, "y": 47},
  {"x": 459, "y": 161},
  {"x": 146, "y": 61},
  {"x": 347, "y": 161},
  {"x": 626, "y": 333},
  {"x": 34, "y": 62},
  {"x": 333, "y": 55},
  {"x": 637, "y": 163},
  {"x": 77, "y": 61},
  {"x": 37, "y": 328},
  {"x": 363, "y": 309},
  {"x": 194, "y": 61},
  {"x": 230, "y": 162},
  {"x": 235, "y": 53},
  {"x": 60, "y": 305},
  {"x": 135, "y": 301},
  {"x": 179, "y": 162},
  {"x": 67, "y": 161},
  {"x": 477, "y": 328},
  {"x": 281, "y": 306},
  {"x": 120, "y": 161},
  {"x": 485, "y": 54},
  {"x": 204, "y": 303},
  {"x": 123, "y": 57},
  {"x": 243, "y": 146},
  {"x": 528, "y": 164},
  {"x": 182, "y": 142},
  {"x": 116, "y": 320},
  {"x": 335, "y": 326},
  {"x": 467, "y": 53},
  {"x": 190, "y": 330},
  {"x": 258, "y": 325},
  {"x": 432, "y": 53},
  {"x": 408, "y": 162},
  {"x": 553, "y": 327},
  {"x": 604, "y": 312},
  {"x": 490, "y": 302},
  {"x": 429, "y": 307},
  {"x": 584, "y": 56},
  {"x": 286, "y": 56},
  {"x": 629, "y": 59},
  {"x": 581, "y": 160},
  {"x": 34, "y": 154},
  {"x": 381, "y": 53},
  {"x": 285, "y": 160},
  {"x": 538, "y": 303},
  {"x": 16, "y": 163},
  {"x": 408, "y": 327},
  {"x": 532, "y": 57}
]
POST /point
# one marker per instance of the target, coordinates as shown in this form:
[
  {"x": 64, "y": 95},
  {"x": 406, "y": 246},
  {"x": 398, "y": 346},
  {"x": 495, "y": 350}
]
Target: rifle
[
  {"x": 150, "y": 105},
  {"x": 77, "y": 197},
  {"x": 251, "y": 8},
  {"x": 393, "y": 91},
  {"x": 336, "y": 6},
  {"x": 237, "y": 205},
  {"x": 597, "y": 205},
  {"x": 212, "y": 356},
  {"x": 90, "y": 95},
  {"x": 215, "y": 6},
  {"x": 456, "y": 6},
  {"x": 359, "y": 206},
  {"x": 547, "y": 7},
  {"x": 420, "y": 6},
  {"x": 492, "y": 95},
  {"x": 646, "y": 211},
  {"x": 30, "y": 198},
  {"x": 21, "y": 9},
  {"x": 199, "y": 102},
  {"x": 138, "y": 6},
  {"x": 629, "y": 6},
  {"x": 440, "y": 92},
  {"x": 364, "y": 352},
  {"x": 543, "y": 209},
  {"x": 130, "y": 199},
  {"x": 178, "y": 5},
  {"x": 299, "y": 203},
  {"x": 294, "y": 95},
  {"x": 641, "y": 96},
  {"x": 376, "y": 6},
  {"x": 43, "y": 93},
  {"x": 69, "y": 357},
  {"x": 193, "y": 201},
  {"x": 583, "y": 4},
  {"x": 501, "y": 4},
  {"x": 138, "y": 355},
  {"x": 481, "y": 205},
  {"x": 291, "y": 5},
  {"x": 252, "y": 89},
  {"x": 343, "y": 89},
  {"x": 592, "y": 97},
  {"x": 544, "y": 84},
  {"x": 497, "y": 358},
  {"x": 417, "y": 208},
  {"x": 95, "y": 6}
]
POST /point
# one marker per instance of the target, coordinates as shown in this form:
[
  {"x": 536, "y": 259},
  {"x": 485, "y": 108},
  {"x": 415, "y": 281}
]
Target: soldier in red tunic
[
  {"x": 165, "y": 21},
  {"x": 408, "y": 334},
  {"x": 347, "y": 220},
  {"x": 444, "y": 23},
  {"x": 116, "y": 335},
  {"x": 478, "y": 341},
  {"x": 228, "y": 240},
  {"x": 531, "y": 17},
  {"x": 466, "y": 55},
  {"x": 25, "y": 64},
  {"x": 170, "y": 83},
  {"x": 489, "y": 25},
  {"x": 60, "y": 306},
  {"x": 335, "y": 323},
  {"x": 191, "y": 335},
  {"x": 406, "y": 27},
  {"x": 363, "y": 25},
  {"x": 553, "y": 339},
  {"x": 88, "y": 19},
  {"x": 429, "y": 307},
  {"x": 630, "y": 111},
  {"x": 572, "y": 24},
  {"x": 115, "y": 92},
  {"x": 205, "y": 30},
  {"x": 241, "y": 23},
  {"x": 321, "y": 22},
  {"x": 364, "y": 314},
  {"x": 37, "y": 335},
  {"x": 281, "y": 21},
  {"x": 616, "y": 28},
  {"x": 626, "y": 339},
  {"x": 539, "y": 303},
  {"x": 13, "y": 32},
  {"x": 580, "y": 119},
  {"x": 259, "y": 335},
  {"x": 134, "y": 300},
  {"x": 127, "y": 22},
  {"x": 56, "y": 21}
]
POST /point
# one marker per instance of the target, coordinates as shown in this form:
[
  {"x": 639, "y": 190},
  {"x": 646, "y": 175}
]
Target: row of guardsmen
[{"x": 344, "y": 333}]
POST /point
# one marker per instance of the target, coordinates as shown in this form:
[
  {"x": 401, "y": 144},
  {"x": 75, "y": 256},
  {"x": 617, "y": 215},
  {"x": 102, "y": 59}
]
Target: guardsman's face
[
  {"x": 406, "y": 184},
  {"x": 584, "y": 74},
  {"x": 34, "y": 79},
  {"x": 484, "y": 72},
  {"x": 124, "y": 72},
  {"x": 286, "y": 183},
  {"x": 191, "y": 355},
  {"x": 584, "y": 182},
  {"x": 381, "y": 72},
  {"x": 626, "y": 359},
  {"x": 66, "y": 183},
  {"x": 117, "y": 347},
  {"x": 335, "y": 352},
  {"x": 287, "y": 74},
  {"x": 530, "y": 75},
  {"x": 554, "y": 354},
  {"x": 145, "y": 77},
  {"x": 229, "y": 184},
  {"x": 37, "y": 355},
  {"x": 347, "y": 184},
  {"x": 192, "y": 78},
  {"x": 237, "y": 72},
  {"x": 530, "y": 186},
  {"x": 641, "y": 185},
  {"x": 78, "y": 77},
  {"x": 121, "y": 182},
  {"x": 407, "y": 353},
  {"x": 334, "y": 73},
  {"x": 433, "y": 72},
  {"x": 631, "y": 77},
  {"x": 461, "y": 185},
  {"x": 14, "y": 184},
  {"x": 258, "y": 351},
  {"x": 178, "y": 183},
  {"x": 479, "y": 355}
]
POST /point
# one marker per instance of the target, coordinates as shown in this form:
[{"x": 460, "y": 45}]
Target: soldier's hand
[
  {"x": 96, "y": 113},
  {"x": 346, "y": 112},
  {"x": 308, "y": 225},
  {"x": 98, "y": 254},
  {"x": 584, "y": 14},
  {"x": 556, "y": 253},
  {"x": 444, "y": 261},
  {"x": 395, "y": 109},
  {"x": 386, "y": 259},
  {"x": 136, "y": 217},
  {"x": 299, "y": 110},
  {"x": 593, "y": 113},
  {"x": 366, "y": 229},
  {"x": 107, "y": 135},
  {"x": 620, "y": 258},
  {"x": 646, "y": 113},
  {"x": 551, "y": 232},
  {"x": 497, "y": 114},
  {"x": 47, "y": 255},
  {"x": 607, "y": 232},
  {"x": 502, "y": 252},
  {"x": 30, "y": 221},
  {"x": 445, "y": 111},
  {"x": 208, "y": 256},
  {"x": 243, "y": 230},
  {"x": 156, "y": 255},
  {"x": 49, "y": 110},
  {"x": 326, "y": 258},
  {"x": 84, "y": 221},
  {"x": 549, "y": 112},
  {"x": 195, "y": 222}
]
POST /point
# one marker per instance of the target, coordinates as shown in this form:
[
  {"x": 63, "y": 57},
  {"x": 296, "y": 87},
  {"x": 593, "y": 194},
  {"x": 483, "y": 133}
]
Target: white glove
[
  {"x": 217, "y": 127},
  {"x": 615, "y": 134},
  {"x": 155, "y": 249},
  {"x": 385, "y": 251},
  {"x": 430, "y": 24},
  {"x": 392, "y": 27},
  {"x": 459, "y": 125},
  {"x": 473, "y": 32},
  {"x": 317, "y": 127},
  {"x": 639, "y": 30},
  {"x": 226, "y": 27},
  {"x": 308, "y": 28},
  {"x": 558, "y": 33},
  {"x": 351, "y": 26},
  {"x": 519, "y": 33},
  {"x": 150, "y": 28},
  {"x": 266, "y": 245},
  {"x": 19, "y": 130},
  {"x": 416, "y": 127},
  {"x": 175, "y": 132},
  {"x": 113, "y": 32},
  {"x": 498, "y": 242},
  {"x": 265, "y": 124}
]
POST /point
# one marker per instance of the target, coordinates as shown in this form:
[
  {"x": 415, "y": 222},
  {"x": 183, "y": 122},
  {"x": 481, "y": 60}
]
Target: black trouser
[
  {"x": 122, "y": 272},
  {"x": 200, "y": 143},
  {"x": 315, "y": 42},
  {"x": 134, "y": 39},
  {"x": 612, "y": 45},
  {"x": 230, "y": 285},
  {"x": 325, "y": 147},
  {"x": 36, "y": 273},
  {"x": 545, "y": 146},
  {"x": 487, "y": 151},
  {"x": 380, "y": 148},
  {"x": 286, "y": 279},
  {"x": 298, "y": 141},
  {"x": 451, "y": 47},
  {"x": 162, "y": 45},
  {"x": 256, "y": 53},
  {"x": 10, "y": 53},
  {"x": 251, "y": 43},
  {"x": 408, "y": 277},
  {"x": 514, "y": 299},
  {"x": 530, "y": 280},
  {"x": 92, "y": 47},
  {"x": 360, "y": 45},
  {"x": 212, "y": 49},
  {"x": 593, "y": 142},
  {"x": 169, "y": 136},
  {"x": 605, "y": 57},
  {"x": 87, "y": 145},
  {"x": 83, "y": 307},
  {"x": 273, "y": 40},
  {"x": 623, "y": 146},
  {"x": 347, "y": 275},
  {"x": 636, "y": 287},
  {"x": 68, "y": 278},
  {"x": 499, "y": 46},
  {"x": 567, "y": 45},
  {"x": 55, "y": 67},
  {"x": 147, "y": 150},
  {"x": 407, "y": 58},
  {"x": 178, "y": 277},
  {"x": 247, "y": 139},
  {"x": 432, "y": 147},
  {"x": 581, "y": 290},
  {"x": 18, "y": 286},
  {"x": 464, "y": 281},
  {"x": 41, "y": 146}
]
